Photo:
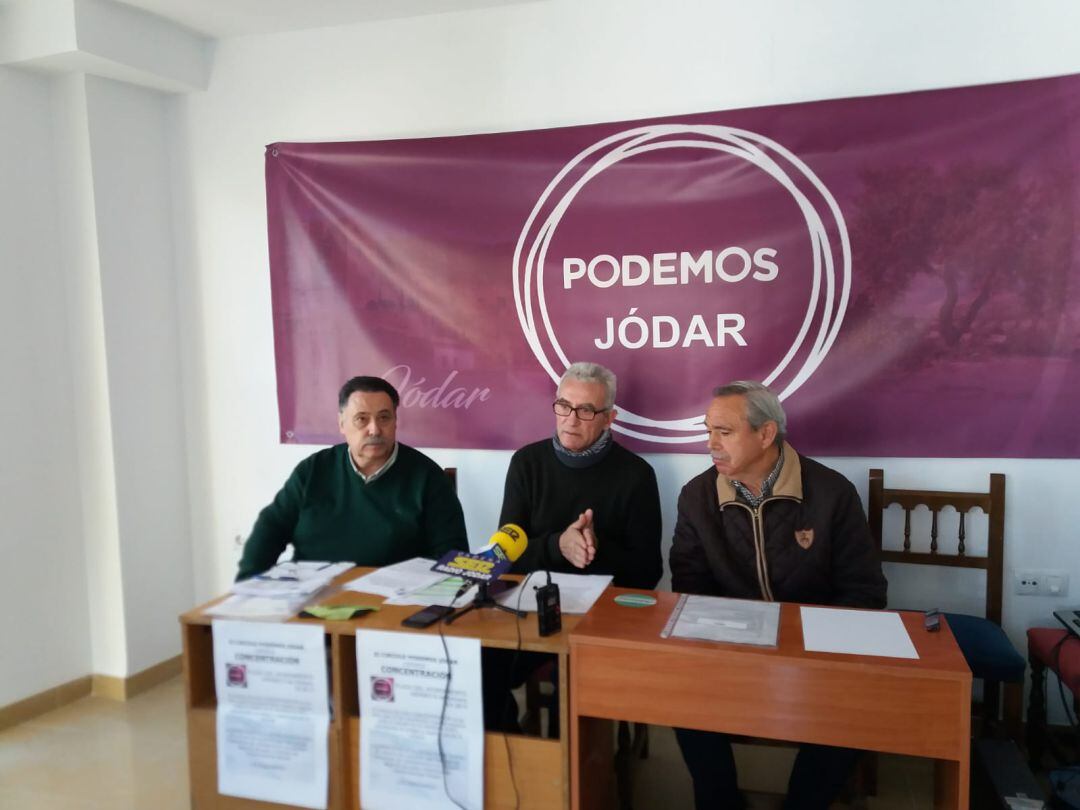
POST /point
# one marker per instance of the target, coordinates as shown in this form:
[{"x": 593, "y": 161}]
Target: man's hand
[{"x": 578, "y": 542}]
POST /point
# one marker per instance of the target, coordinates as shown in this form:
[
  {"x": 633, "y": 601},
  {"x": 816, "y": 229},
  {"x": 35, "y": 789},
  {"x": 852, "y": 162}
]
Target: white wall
[
  {"x": 94, "y": 483},
  {"x": 129, "y": 147},
  {"x": 88, "y": 362},
  {"x": 43, "y": 600}
]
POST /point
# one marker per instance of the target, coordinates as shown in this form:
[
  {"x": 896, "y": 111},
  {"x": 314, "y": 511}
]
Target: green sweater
[{"x": 328, "y": 513}]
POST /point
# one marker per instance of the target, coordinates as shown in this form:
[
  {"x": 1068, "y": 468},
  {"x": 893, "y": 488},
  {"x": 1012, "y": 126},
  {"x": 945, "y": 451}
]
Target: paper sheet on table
[
  {"x": 397, "y": 579},
  {"x": 291, "y": 580},
  {"x": 239, "y": 606},
  {"x": 438, "y": 593},
  {"x": 577, "y": 592},
  {"x": 856, "y": 632}
]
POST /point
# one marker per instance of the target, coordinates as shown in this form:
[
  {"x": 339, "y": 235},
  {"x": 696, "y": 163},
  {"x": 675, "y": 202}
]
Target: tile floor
[{"x": 98, "y": 754}]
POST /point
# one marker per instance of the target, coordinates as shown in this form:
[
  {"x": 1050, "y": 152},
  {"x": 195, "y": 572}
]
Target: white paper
[
  {"x": 577, "y": 592},
  {"x": 857, "y": 632},
  {"x": 397, "y": 579},
  {"x": 292, "y": 580},
  {"x": 238, "y": 606},
  {"x": 402, "y": 680},
  {"x": 443, "y": 592},
  {"x": 273, "y": 713},
  {"x": 716, "y": 618}
]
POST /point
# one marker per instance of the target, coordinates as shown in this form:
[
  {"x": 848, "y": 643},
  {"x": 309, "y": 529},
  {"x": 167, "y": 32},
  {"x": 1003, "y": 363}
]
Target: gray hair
[
  {"x": 762, "y": 405},
  {"x": 592, "y": 373}
]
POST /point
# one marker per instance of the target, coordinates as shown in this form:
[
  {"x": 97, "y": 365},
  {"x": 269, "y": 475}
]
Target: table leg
[
  {"x": 592, "y": 751},
  {"x": 565, "y": 732},
  {"x": 951, "y": 781}
]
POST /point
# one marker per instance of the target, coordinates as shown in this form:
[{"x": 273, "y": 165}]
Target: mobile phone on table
[{"x": 428, "y": 616}]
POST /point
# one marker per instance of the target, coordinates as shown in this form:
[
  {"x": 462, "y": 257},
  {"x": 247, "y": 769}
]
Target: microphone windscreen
[{"x": 511, "y": 539}]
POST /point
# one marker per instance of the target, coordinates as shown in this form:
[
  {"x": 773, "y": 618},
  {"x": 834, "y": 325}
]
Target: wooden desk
[
  {"x": 541, "y": 766},
  {"x": 623, "y": 670}
]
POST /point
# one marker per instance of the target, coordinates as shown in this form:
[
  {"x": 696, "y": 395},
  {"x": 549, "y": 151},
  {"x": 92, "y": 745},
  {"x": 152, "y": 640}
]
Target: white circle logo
[{"x": 830, "y": 283}]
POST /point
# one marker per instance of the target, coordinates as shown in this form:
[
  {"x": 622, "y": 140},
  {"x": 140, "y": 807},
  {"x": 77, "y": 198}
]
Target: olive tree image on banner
[{"x": 902, "y": 270}]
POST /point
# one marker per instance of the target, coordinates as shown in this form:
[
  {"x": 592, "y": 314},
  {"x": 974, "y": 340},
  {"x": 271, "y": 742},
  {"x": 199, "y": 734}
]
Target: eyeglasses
[{"x": 586, "y": 413}]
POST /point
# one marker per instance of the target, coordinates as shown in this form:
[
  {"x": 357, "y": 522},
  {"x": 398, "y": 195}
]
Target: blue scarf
[{"x": 593, "y": 454}]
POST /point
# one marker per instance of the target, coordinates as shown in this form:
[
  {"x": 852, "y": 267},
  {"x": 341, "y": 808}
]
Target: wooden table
[
  {"x": 540, "y": 766},
  {"x": 623, "y": 670}
]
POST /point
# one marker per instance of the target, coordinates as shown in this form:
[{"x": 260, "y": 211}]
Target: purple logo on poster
[
  {"x": 382, "y": 689},
  {"x": 588, "y": 280},
  {"x": 236, "y": 675}
]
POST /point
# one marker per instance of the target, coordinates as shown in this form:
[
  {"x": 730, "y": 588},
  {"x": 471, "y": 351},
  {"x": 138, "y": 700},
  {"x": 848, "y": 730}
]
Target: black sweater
[{"x": 544, "y": 496}]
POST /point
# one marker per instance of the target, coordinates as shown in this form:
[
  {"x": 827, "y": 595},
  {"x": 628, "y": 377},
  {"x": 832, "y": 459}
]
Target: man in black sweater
[{"x": 587, "y": 504}]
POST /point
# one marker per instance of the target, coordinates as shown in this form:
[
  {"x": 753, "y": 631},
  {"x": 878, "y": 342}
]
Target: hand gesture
[{"x": 578, "y": 542}]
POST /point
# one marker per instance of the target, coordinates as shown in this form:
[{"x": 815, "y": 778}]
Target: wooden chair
[
  {"x": 451, "y": 474},
  {"x": 988, "y": 651}
]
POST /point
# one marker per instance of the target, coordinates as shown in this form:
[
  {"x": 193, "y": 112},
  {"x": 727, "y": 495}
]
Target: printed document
[
  {"x": 397, "y": 579},
  {"x": 714, "y": 618},
  {"x": 255, "y": 608},
  {"x": 273, "y": 714},
  {"x": 403, "y": 683},
  {"x": 444, "y": 592},
  {"x": 577, "y": 592},
  {"x": 856, "y": 632},
  {"x": 292, "y": 580}
]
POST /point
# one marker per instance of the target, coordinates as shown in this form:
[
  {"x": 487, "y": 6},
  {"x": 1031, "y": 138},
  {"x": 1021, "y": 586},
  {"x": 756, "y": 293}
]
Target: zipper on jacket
[
  {"x": 759, "y": 543},
  {"x": 757, "y": 522}
]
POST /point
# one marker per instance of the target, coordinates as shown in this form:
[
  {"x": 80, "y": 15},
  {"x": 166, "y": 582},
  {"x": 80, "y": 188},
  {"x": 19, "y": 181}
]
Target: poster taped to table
[
  {"x": 422, "y": 741},
  {"x": 273, "y": 713}
]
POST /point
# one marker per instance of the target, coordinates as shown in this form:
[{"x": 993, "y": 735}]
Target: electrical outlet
[
  {"x": 1042, "y": 583},
  {"x": 1027, "y": 583}
]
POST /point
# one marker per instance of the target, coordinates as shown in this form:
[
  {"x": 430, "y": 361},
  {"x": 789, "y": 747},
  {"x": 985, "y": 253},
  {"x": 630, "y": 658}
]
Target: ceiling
[{"x": 225, "y": 18}]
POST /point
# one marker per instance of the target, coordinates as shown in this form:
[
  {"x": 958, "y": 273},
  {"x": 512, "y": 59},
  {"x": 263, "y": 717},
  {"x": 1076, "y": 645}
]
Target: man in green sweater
[{"x": 371, "y": 500}]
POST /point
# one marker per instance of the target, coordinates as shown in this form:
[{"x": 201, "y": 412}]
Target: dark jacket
[{"x": 807, "y": 542}]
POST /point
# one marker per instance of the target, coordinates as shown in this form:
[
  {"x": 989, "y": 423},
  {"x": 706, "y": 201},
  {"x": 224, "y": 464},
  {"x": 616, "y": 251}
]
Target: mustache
[{"x": 374, "y": 441}]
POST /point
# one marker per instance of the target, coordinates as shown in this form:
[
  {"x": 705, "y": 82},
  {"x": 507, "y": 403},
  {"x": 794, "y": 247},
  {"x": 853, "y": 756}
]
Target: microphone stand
[{"x": 484, "y": 599}]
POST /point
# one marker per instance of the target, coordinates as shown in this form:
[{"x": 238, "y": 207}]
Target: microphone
[
  {"x": 508, "y": 543},
  {"x": 485, "y": 566},
  {"x": 489, "y": 562}
]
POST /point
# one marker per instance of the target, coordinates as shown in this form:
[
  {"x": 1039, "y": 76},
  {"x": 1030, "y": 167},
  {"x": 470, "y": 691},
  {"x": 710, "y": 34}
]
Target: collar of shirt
[
  {"x": 367, "y": 479},
  {"x": 766, "y": 485}
]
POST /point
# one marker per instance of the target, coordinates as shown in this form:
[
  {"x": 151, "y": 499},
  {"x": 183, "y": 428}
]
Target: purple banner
[{"x": 904, "y": 270}]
